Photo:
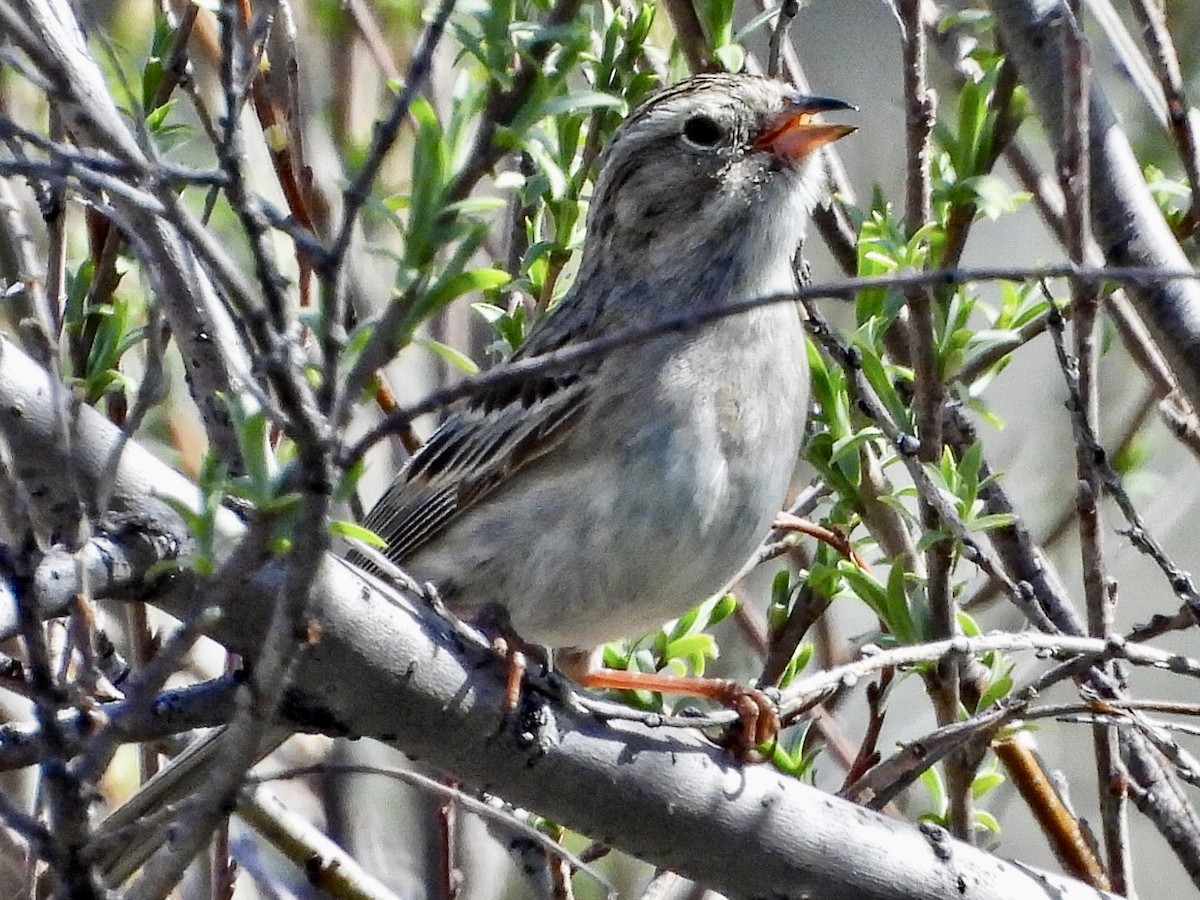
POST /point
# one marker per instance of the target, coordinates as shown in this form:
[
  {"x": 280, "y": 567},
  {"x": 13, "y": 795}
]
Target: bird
[{"x": 600, "y": 500}]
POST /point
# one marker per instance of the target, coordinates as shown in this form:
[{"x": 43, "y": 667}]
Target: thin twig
[
  {"x": 1074, "y": 651},
  {"x": 787, "y": 12},
  {"x": 479, "y": 807},
  {"x": 943, "y": 683},
  {"x": 65, "y": 794},
  {"x": 338, "y": 395},
  {"x": 1152, "y": 17},
  {"x": 1162, "y": 800},
  {"x": 326, "y": 866},
  {"x": 1180, "y": 580},
  {"x": 503, "y": 105},
  {"x": 690, "y": 34},
  {"x": 1130, "y": 61},
  {"x": 330, "y": 266}
]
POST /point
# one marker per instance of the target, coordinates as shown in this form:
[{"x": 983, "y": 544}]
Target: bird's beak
[{"x": 792, "y": 135}]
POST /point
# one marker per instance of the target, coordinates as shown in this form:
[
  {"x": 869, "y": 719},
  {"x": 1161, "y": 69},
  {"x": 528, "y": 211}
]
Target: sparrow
[{"x": 599, "y": 501}]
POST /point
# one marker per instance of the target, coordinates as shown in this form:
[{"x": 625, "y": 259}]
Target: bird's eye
[{"x": 702, "y": 131}]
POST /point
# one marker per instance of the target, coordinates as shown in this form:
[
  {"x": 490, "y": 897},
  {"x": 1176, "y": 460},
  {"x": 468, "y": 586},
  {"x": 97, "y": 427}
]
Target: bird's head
[{"x": 716, "y": 165}]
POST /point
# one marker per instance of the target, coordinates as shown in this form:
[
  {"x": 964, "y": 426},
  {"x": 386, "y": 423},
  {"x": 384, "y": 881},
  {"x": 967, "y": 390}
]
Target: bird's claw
[{"x": 759, "y": 722}]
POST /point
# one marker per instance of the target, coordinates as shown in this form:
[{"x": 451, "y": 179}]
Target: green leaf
[
  {"x": 580, "y": 101},
  {"x": 890, "y": 604},
  {"x": 932, "y": 780},
  {"x": 348, "y": 483},
  {"x": 997, "y": 690},
  {"x": 156, "y": 118},
  {"x": 768, "y": 14},
  {"x": 780, "y": 603},
  {"x": 353, "y": 530},
  {"x": 454, "y": 357},
  {"x": 717, "y": 16},
  {"x": 933, "y": 537},
  {"x": 789, "y": 756},
  {"x": 985, "y": 782},
  {"x": 453, "y": 287},
  {"x": 912, "y": 627},
  {"x": 429, "y": 163},
  {"x": 990, "y": 522},
  {"x": 797, "y": 664},
  {"x": 992, "y": 195},
  {"x": 549, "y": 167},
  {"x": 723, "y": 607},
  {"x": 693, "y": 650},
  {"x": 731, "y": 56},
  {"x": 251, "y": 429},
  {"x": 974, "y": 19},
  {"x": 490, "y": 312},
  {"x": 474, "y": 205},
  {"x": 79, "y": 283},
  {"x": 846, "y": 450},
  {"x": 986, "y": 820},
  {"x": 151, "y": 78}
]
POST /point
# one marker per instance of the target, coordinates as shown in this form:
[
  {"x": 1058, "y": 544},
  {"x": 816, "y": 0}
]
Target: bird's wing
[{"x": 481, "y": 446}]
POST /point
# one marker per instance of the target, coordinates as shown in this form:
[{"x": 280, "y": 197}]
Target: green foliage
[
  {"x": 113, "y": 328},
  {"x": 1172, "y": 195},
  {"x": 263, "y": 486},
  {"x": 984, "y": 782},
  {"x": 794, "y": 755},
  {"x": 345, "y": 529},
  {"x": 902, "y": 618},
  {"x": 115, "y": 334},
  {"x": 962, "y": 170},
  {"x": 201, "y": 522},
  {"x": 558, "y": 119},
  {"x": 260, "y": 487},
  {"x": 717, "y": 18},
  {"x": 883, "y": 249},
  {"x": 822, "y": 582},
  {"x": 783, "y": 590},
  {"x": 152, "y": 72},
  {"x": 998, "y": 682},
  {"x": 1019, "y": 305},
  {"x": 975, "y": 333},
  {"x": 510, "y": 325},
  {"x": 960, "y": 482}
]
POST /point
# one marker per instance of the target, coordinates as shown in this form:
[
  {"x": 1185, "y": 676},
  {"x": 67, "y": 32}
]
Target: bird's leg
[
  {"x": 515, "y": 663},
  {"x": 516, "y": 677},
  {"x": 759, "y": 718},
  {"x": 493, "y": 621}
]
